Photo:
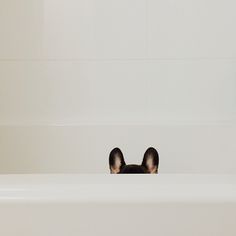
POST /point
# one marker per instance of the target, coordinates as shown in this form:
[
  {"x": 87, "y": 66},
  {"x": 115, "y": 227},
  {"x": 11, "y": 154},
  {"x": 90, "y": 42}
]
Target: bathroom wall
[{"x": 79, "y": 77}]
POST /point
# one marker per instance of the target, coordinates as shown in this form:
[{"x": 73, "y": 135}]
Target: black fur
[{"x": 133, "y": 169}]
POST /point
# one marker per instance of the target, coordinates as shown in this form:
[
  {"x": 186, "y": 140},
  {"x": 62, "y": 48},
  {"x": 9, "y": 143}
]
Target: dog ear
[
  {"x": 151, "y": 160},
  {"x": 116, "y": 161}
]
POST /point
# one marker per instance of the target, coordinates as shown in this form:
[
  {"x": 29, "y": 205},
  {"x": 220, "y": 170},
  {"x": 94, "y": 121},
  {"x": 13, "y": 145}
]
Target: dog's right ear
[
  {"x": 116, "y": 160},
  {"x": 151, "y": 160}
]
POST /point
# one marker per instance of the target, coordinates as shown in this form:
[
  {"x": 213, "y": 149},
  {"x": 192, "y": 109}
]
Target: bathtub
[
  {"x": 102, "y": 204},
  {"x": 80, "y": 77}
]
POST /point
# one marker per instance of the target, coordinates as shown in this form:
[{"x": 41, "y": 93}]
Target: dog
[{"x": 149, "y": 164}]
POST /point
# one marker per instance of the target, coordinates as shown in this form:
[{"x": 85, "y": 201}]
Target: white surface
[
  {"x": 85, "y": 148},
  {"x": 60, "y": 29},
  {"x": 79, "y": 77},
  {"x": 117, "y": 204},
  {"x": 118, "y": 188},
  {"x": 94, "y": 29},
  {"x": 75, "y": 92},
  {"x": 191, "y": 29}
]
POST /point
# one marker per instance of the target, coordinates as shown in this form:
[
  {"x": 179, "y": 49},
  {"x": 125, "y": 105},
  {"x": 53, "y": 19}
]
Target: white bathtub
[
  {"x": 88, "y": 205},
  {"x": 80, "y": 77}
]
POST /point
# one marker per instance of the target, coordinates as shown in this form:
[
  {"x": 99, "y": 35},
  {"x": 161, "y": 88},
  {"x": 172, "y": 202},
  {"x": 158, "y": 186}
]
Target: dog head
[{"x": 149, "y": 164}]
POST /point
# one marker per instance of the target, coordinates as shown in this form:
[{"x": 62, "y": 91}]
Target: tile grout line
[
  {"x": 146, "y": 30},
  {"x": 120, "y": 59}
]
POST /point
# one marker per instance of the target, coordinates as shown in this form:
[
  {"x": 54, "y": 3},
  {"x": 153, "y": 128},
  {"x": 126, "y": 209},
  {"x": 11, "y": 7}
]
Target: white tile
[
  {"x": 191, "y": 29},
  {"x": 21, "y": 24},
  {"x": 117, "y": 92},
  {"x": 24, "y": 91},
  {"x": 58, "y": 29},
  {"x": 97, "y": 91},
  {"x": 208, "y": 149},
  {"x": 72, "y": 92},
  {"x": 41, "y": 92},
  {"x": 94, "y": 29},
  {"x": 201, "y": 91}
]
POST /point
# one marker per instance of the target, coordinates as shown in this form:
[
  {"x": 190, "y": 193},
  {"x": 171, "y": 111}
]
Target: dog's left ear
[
  {"x": 151, "y": 160},
  {"x": 116, "y": 161}
]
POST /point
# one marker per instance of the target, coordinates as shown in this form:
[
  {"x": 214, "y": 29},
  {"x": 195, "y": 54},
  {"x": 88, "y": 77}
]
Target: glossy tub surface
[{"x": 117, "y": 205}]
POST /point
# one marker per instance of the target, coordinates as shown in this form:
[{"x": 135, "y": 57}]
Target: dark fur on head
[{"x": 133, "y": 169}]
